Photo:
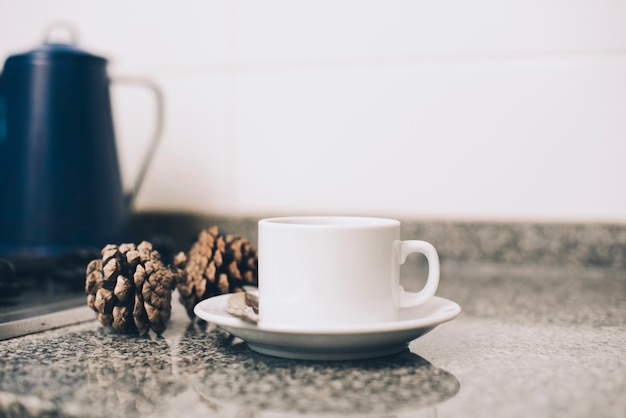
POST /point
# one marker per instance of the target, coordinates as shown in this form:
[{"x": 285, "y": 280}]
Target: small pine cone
[
  {"x": 216, "y": 264},
  {"x": 130, "y": 289}
]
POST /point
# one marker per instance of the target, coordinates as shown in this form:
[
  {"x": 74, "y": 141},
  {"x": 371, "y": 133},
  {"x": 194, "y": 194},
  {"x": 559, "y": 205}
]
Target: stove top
[
  {"x": 36, "y": 293},
  {"x": 39, "y": 293}
]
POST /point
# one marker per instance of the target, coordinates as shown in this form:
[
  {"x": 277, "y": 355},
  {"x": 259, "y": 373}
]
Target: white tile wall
[
  {"x": 422, "y": 137},
  {"x": 449, "y": 109},
  {"x": 190, "y": 170},
  {"x": 279, "y": 31}
]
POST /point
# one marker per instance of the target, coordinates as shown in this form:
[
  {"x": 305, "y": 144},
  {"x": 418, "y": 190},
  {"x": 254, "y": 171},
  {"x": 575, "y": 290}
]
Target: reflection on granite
[
  {"x": 227, "y": 373},
  {"x": 88, "y": 371},
  {"x": 531, "y": 341}
]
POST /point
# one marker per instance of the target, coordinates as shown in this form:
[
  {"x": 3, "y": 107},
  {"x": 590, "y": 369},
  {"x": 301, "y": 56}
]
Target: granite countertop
[{"x": 532, "y": 340}]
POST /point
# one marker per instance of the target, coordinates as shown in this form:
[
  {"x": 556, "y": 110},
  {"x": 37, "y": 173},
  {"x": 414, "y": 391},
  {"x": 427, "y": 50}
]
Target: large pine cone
[
  {"x": 216, "y": 264},
  {"x": 130, "y": 288}
]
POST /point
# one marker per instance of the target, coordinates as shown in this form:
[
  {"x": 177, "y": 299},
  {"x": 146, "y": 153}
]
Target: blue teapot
[{"x": 60, "y": 183}]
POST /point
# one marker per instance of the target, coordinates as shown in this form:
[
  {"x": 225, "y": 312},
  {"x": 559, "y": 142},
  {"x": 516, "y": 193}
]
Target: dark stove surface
[
  {"x": 40, "y": 297},
  {"x": 40, "y": 292},
  {"x": 31, "y": 288}
]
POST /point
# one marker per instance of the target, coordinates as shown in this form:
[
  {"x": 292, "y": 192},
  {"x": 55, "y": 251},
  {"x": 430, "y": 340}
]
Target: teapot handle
[{"x": 156, "y": 135}]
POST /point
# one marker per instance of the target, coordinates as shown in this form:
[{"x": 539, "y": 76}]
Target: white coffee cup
[{"x": 327, "y": 272}]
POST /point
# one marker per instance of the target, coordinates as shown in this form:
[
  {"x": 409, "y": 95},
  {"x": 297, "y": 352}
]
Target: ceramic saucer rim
[{"x": 444, "y": 314}]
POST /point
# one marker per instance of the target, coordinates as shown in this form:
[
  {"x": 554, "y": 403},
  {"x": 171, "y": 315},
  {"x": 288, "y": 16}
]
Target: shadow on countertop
[{"x": 230, "y": 375}]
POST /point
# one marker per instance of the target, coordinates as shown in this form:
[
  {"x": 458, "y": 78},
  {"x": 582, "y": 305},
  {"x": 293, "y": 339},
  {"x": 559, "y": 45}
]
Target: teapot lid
[
  {"x": 55, "y": 51},
  {"x": 52, "y": 51}
]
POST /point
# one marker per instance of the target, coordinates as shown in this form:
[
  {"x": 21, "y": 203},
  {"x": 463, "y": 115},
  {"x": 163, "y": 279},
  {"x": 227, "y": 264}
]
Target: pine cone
[
  {"x": 130, "y": 288},
  {"x": 216, "y": 264}
]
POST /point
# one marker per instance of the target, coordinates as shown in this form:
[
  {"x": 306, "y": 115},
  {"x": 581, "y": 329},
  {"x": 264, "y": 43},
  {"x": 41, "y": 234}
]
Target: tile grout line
[
  {"x": 230, "y": 191},
  {"x": 235, "y": 68}
]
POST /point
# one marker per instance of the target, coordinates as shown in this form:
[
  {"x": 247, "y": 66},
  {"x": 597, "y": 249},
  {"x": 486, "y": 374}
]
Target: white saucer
[{"x": 337, "y": 343}]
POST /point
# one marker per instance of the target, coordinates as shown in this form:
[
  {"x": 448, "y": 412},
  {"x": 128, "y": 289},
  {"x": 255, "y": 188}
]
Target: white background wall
[{"x": 453, "y": 109}]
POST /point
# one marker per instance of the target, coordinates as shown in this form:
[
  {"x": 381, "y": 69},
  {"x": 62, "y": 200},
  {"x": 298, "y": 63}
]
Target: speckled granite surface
[
  {"x": 546, "y": 244},
  {"x": 542, "y": 334},
  {"x": 531, "y": 341}
]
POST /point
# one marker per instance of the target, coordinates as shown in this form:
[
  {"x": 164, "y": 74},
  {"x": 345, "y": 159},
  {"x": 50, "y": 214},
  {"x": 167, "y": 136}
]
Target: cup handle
[
  {"x": 404, "y": 248},
  {"x": 156, "y": 135}
]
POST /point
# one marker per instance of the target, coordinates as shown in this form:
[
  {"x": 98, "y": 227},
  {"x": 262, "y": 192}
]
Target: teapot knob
[{"x": 54, "y": 28}]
